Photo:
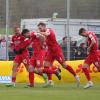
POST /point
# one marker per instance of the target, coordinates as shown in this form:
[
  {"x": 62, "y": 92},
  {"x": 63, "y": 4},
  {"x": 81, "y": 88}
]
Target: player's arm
[
  {"x": 12, "y": 45},
  {"x": 39, "y": 35},
  {"x": 93, "y": 42},
  {"x": 26, "y": 43}
]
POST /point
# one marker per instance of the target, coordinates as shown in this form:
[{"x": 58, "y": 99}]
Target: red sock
[
  {"x": 87, "y": 74},
  {"x": 31, "y": 78},
  {"x": 49, "y": 76},
  {"x": 70, "y": 69},
  {"x": 13, "y": 79},
  {"x": 48, "y": 70}
]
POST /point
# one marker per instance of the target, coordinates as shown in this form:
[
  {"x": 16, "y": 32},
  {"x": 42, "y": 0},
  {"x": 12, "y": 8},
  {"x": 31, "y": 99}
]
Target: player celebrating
[
  {"x": 93, "y": 54},
  {"x": 36, "y": 61},
  {"x": 18, "y": 45},
  {"x": 54, "y": 50}
]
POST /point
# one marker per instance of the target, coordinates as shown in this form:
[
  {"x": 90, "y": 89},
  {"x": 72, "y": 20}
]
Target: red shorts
[
  {"x": 37, "y": 59},
  {"x": 55, "y": 55},
  {"x": 93, "y": 57},
  {"x": 22, "y": 58}
]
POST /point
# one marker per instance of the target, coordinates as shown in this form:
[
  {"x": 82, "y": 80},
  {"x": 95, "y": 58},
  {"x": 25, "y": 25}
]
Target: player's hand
[
  {"x": 43, "y": 33},
  {"x": 37, "y": 30}
]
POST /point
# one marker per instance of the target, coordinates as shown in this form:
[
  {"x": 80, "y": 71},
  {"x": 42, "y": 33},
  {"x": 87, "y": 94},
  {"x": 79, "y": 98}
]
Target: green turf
[{"x": 58, "y": 92}]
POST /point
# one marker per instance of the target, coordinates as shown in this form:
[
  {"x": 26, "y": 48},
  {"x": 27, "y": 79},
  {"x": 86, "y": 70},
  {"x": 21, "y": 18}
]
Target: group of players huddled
[{"x": 45, "y": 50}]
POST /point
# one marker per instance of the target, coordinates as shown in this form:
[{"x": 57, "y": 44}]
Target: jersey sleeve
[
  {"x": 91, "y": 37},
  {"x": 50, "y": 32},
  {"x": 26, "y": 43},
  {"x": 32, "y": 36}
]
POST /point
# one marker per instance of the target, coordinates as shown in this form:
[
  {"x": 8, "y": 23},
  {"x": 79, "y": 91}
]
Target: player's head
[
  {"x": 16, "y": 30},
  {"x": 26, "y": 33},
  {"x": 83, "y": 32},
  {"x": 42, "y": 27}
]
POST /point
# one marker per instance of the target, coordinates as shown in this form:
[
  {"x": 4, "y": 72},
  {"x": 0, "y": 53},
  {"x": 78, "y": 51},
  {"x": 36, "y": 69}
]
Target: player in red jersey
[
  {"x": 38, "y": 54},
  {"x": 93, "y": 54},
  {"x": 54, "y": 50},
  {"x": 36, "y": 61},
  {"x": 19, "y": 46}
]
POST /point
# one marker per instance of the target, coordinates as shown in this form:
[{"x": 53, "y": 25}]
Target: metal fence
[
  {"x": 76, "y": 52},
  {"x": 12, "y": 11}
]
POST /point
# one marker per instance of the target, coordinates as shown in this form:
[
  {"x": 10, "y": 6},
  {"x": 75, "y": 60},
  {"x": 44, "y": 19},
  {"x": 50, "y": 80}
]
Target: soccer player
[
  {"x": 54, "y": 50},
  {"x": 93, "y": 54},
  {"x": 19, "y": 46},
  {"x": 36, "y": 60},
  {"x": 39, "y": 51}
]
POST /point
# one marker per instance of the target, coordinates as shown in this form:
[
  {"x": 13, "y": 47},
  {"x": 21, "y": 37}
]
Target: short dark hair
[
  {"x": 24, "y": 31},
  {"x": 81, "y": 30},
  {"x": 64, "y": 38},
  {"x": 41, "y": 24}
]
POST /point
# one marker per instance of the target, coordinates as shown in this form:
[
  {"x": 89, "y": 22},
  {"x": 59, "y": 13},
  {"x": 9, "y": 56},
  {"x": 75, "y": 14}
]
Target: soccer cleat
[
  {"x": 77, "y": 77},
  {"x": 29, "y": 86},
  {"x": 88, "y": 85},
  {"x": 45, "y": 77},
  {"x": 11, "y": 85},
  {"x": 50, "y": 83},
  {"x": 58, "y": 74},
  {"x": 59, "y": 70}
]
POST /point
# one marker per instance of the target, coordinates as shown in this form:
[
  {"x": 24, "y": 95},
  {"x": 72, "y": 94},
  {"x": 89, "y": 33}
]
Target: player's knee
[
  {"x": 46, "y": 63},
  {"x": 15, "y": 66},
  {"x": 39, "y": 70},
  {"x": 30, "y": 68},
  {"x": 85, "y": 66},
  {"x": 64, "y": 65},
  {"x": 14, "y": 69}
]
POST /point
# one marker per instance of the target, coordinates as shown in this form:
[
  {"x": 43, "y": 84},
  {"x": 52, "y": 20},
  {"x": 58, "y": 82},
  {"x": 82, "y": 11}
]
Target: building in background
[{"x": 22, "y": 9}]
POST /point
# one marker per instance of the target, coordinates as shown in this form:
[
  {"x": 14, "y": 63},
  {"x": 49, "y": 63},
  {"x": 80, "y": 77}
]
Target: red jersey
[
  {"x": 18, "y": 42},
  {"x": 89, "y": 39},
  {"x": 36, "y": 43},
  {"x": 51, "y": 40}
]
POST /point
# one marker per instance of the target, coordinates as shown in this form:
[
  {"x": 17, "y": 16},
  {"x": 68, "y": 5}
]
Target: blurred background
[{"x": 64, "y": 16}]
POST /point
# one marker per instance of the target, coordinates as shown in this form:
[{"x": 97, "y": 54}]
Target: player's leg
[
  {"x": 96, "y": 61},
  {"x": 85, "y": 69},
  {"x": 48, "y": 65},
  {"x": 49, "y": 70},
  {"x": 61, "y": 60},
  {"x": 39, "y": 64},
  {"x": 17, "y": 62},
  {"x": 42, "y": 57},
  {"x": 49, "y": 82},
  {"x": 71, "y": 70},
  {"x": 31, "y": 72},
  {"x": 97, "y": 64},
  {"x": 29, "y": 68},
  {"x": 88, "y": 61}
]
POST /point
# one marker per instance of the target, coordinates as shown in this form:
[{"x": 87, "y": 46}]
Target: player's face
[
  {"x": 17, "y": 30},
  {"x": 84, "y": 34},
  {"x": 27, "y": 35},
  {"x": 42, "y": 28}
]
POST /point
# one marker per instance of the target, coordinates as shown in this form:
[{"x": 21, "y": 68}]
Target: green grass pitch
[{"x": 58, "y": 92}]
